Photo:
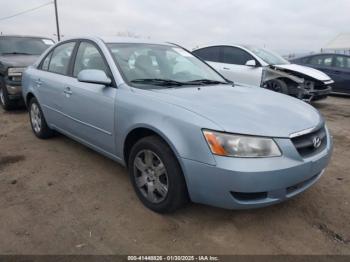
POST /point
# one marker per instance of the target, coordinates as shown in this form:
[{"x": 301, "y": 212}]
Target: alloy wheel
[
  {"x": 151, "y": 177},
  {"x": 35, "y": 117},
  {"x": 272, "y": 85}
]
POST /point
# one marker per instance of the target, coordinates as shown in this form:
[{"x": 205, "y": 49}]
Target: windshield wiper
[
  {"x": 15, "y": 53},
  {"x": 206, "y": 82},
  {"x": 157, "y": 81},
  {"x": 169, "y": 82}
]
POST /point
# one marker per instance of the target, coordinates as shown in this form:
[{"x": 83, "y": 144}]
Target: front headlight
[
  {"x": 232, "y": 145},
  {"x": 15, "y": 71}
]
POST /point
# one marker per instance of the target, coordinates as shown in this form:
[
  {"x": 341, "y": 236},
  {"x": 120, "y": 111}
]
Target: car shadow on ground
[{"x": 17, "y": 111}]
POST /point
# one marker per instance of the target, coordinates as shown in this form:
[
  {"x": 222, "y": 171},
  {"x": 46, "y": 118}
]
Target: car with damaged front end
[
  {"x": 182, "y": 130},
  {"x": 254, "y": 66},
  {"x": 16, "y": 53}
]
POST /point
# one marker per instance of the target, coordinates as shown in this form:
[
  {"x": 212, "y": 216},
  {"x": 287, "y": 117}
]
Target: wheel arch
[
  {"x": 138, "y": 132},
  {"x": 29, "y": 96}
]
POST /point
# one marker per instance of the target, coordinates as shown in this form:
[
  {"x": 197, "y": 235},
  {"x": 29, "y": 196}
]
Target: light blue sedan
[{"x": 183, "y": 131}]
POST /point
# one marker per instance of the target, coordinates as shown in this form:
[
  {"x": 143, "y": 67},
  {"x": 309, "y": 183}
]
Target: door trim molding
[{"x": 79, "y": 121}]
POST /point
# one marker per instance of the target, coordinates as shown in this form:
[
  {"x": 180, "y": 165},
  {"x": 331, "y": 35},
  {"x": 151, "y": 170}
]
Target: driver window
[
  {"x": 88, "y": 57},
  {"x": 342, "y": 62},
  {"x": 236, "y": 56}
]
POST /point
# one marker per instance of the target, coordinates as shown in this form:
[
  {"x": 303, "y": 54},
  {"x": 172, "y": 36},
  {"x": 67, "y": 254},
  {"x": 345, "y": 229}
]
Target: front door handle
[
  {"x": 226, "y": 68},
  {"x": 68, "y": 91}
]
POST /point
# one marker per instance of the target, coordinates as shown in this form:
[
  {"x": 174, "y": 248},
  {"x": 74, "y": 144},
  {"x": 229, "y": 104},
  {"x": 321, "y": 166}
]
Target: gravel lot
[{"x": 58, "y": 197}]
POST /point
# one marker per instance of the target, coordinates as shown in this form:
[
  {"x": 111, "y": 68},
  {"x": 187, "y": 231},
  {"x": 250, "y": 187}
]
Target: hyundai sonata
[{"x": 183, "y": 130}]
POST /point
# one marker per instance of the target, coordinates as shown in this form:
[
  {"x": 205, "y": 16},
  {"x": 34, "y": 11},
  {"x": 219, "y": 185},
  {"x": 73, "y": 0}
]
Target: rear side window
[
  {"x": 211, "y": 54},
  {"x": 236, "y": 56},
  {"x": 321, "y": 60},
  {"x": 88, "y": 57},
  {"x": 303, "y": 60},
  {"x": 342, "y": 62},
  {"x": 60, "y": 58}
]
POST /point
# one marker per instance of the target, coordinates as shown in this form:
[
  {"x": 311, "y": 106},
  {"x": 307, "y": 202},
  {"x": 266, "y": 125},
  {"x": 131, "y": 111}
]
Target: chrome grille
[{"x": 311, "y": 143}]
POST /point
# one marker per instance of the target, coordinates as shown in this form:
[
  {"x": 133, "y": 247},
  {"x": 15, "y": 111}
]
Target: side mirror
[
  {"x": 251, "y": 63},
  {"x": 94, "y": 76}
]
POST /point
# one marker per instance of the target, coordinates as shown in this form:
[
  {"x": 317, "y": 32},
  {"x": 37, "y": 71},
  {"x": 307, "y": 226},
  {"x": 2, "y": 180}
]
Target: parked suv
[
  {"x": 183, "y": 131},
  {"x": 16, "y": 53}
]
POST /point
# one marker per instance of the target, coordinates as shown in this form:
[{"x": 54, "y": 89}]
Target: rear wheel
[
  {"x": 156, "y": 175},
  {"x": 277, "y": 85},
  {"x": 37, "y": 120}
]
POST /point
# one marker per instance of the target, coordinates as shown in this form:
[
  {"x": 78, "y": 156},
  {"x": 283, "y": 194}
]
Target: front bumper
[
  {"x": 321, "y": 92},
  {"x": 236, "y": 183},
  {"x": 14, "y": 92},
  {"x": 318, "y": 92},
  {"x": 14, "y": 89}
]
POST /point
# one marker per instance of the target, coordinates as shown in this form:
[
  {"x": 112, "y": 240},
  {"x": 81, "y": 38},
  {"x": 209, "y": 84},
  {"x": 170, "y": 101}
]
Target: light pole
[{"x": 57, "y": 25}]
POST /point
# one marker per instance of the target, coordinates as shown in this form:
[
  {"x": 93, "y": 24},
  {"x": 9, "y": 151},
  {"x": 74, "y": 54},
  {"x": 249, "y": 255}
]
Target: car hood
[
  {"x": 18, "y": 60},
  {"x": 311, "y": 72},
  {"x": 244, "y": 110}
]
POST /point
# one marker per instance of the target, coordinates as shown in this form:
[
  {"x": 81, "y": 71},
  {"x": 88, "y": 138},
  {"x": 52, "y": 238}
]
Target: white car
[{"x": 254, "y": 66}]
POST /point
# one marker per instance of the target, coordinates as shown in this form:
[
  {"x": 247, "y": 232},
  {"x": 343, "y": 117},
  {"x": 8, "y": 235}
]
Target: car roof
[
  {"x": 117, "y": 39},
  {"x": 222, "y": 44},
  {"x": 131, "y": 40},
  {"x": 27, "y": 36},
  {"x": 317, "y": 54}
]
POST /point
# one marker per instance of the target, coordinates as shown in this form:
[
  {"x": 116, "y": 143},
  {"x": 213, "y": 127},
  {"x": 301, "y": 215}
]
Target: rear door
[
  {"x": 50, "y": 81},
  {"x": 89, "y": 108}
]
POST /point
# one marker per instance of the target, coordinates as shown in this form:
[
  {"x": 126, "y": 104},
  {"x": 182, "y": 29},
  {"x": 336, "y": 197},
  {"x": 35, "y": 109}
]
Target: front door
[
  {"x": 90, "y": 108},
  {"x": 234, "y": 68}
]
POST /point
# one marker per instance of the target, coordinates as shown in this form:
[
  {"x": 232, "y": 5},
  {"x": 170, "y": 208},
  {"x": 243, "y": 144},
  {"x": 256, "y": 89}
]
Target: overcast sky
[{"x": 284, "y": 26}]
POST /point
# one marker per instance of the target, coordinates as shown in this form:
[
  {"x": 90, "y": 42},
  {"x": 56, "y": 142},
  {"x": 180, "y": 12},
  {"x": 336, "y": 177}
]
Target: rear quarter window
[
  {"x": 46, "y": 62},
  {"x": 60, "y": 58}
]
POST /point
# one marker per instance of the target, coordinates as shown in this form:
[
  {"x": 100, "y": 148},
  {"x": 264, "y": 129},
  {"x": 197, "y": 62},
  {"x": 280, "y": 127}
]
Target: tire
[
  {"x": 162, "y": 190},
  {"x": 278, "y": 86},
  {"x": 5, "y": 101},
  {"x": 37, "y": 120}
]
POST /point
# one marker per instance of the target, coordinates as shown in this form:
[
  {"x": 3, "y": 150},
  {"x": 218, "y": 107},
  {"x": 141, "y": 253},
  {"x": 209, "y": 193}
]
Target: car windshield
[
  {"x": 24, "y": 45},
  {"x": 161, "y": 65},
  {"x": 268, "y": 56}
]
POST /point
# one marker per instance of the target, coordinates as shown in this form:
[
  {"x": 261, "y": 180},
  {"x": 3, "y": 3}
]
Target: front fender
[{"x": 180, "y": 128}]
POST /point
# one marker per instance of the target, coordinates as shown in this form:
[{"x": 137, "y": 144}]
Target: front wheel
[
  {"x": 277, "y": 85},
  {"x": 37, "y": 120},
  {"x": 157, "y": 176},
  {"x": 5, "y": 102}
]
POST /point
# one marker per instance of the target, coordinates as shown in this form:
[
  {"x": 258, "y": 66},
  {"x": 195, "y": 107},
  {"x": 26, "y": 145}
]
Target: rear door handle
[
  {"x": 68, "y": 91},
  {"x": 226, "y": 68}
]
